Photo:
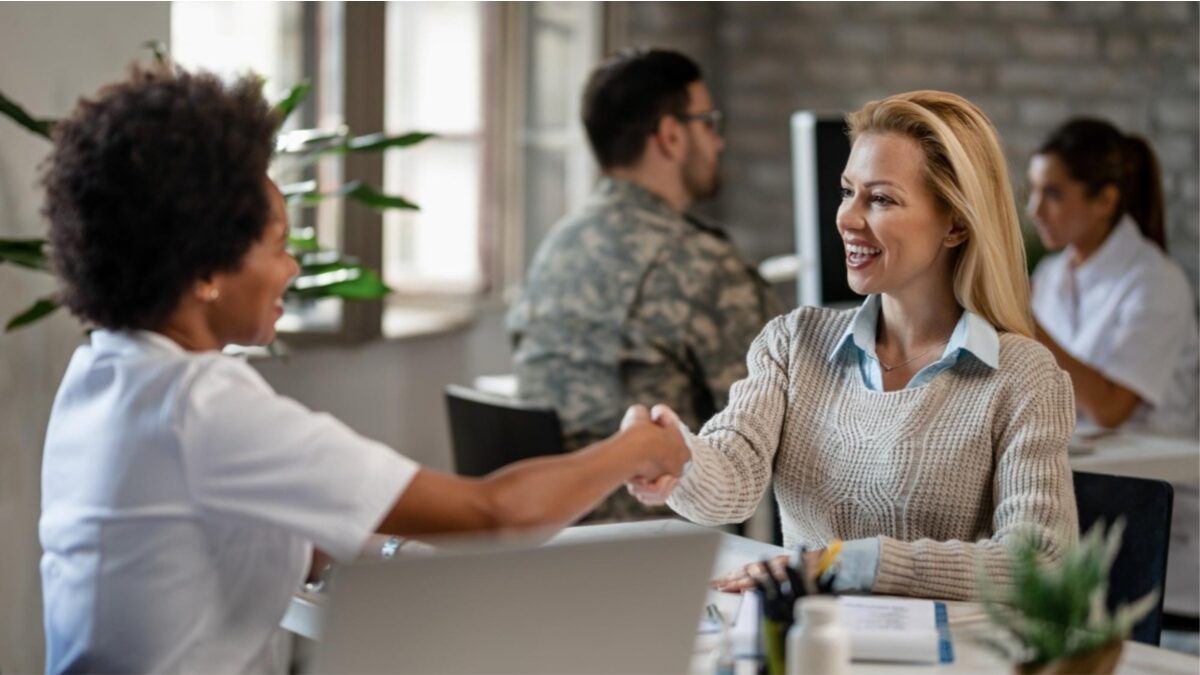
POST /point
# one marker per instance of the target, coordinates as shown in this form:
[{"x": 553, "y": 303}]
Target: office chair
[
  {"x": 489, "y": 431},
  {"x": 1141, "y": 564}
]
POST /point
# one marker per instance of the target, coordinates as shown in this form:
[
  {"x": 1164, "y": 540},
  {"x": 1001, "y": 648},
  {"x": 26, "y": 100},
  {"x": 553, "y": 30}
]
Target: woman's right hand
[
  {"x": 744, "y": 578},
  {"x": 649, "y": 490},
  {"x": 661, "y": 449}
]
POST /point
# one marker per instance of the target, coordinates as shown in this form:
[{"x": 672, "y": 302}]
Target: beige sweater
[{"x": 944, "y": 474}]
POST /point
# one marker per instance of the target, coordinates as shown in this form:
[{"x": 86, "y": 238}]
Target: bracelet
[{"x": 390, "y": 547}]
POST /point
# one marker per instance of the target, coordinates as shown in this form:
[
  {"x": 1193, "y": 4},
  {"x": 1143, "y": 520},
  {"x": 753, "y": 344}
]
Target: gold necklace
[{"x": 888, "y": 369}]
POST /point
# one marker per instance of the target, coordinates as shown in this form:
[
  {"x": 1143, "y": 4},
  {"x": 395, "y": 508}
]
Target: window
[
  {"x": 233, "y": 38},
  {"x": 498, "y": 82},
  {"x": 434, "y": 83},
  {"x": 563, "y": 46},
  {"x": 286, "y": 43}
]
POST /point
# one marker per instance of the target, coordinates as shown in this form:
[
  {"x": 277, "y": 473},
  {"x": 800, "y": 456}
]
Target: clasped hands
[{"x": 653, "y": 490}]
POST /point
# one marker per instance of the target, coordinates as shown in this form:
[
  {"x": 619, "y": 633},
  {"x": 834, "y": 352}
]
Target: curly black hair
[{"x": 154, "y": 183}]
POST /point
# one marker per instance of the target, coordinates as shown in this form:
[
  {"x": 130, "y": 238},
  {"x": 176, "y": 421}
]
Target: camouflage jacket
[{"x": 630, "y": 302}]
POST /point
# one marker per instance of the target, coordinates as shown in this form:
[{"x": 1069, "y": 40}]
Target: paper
[
  {"x": 745, "y": 628},
  {"x": 894, "y": 629},
  {"x": 880, "y": 629}
]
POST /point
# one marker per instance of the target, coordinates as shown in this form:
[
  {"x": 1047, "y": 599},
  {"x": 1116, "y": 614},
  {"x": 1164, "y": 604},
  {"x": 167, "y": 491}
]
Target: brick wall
[{"x": 1029, "y": 65}]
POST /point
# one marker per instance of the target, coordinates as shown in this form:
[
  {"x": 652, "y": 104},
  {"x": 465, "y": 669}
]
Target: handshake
[{"x": 658, "y": 437}]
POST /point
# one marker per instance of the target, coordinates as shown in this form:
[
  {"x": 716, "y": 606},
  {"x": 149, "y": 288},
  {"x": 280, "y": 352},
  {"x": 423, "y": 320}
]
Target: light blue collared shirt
[{"x": 973, "y": 335}]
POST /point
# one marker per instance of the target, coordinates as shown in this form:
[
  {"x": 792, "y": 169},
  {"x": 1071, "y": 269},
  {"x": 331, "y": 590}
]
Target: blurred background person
[
  {"x": 634, "y": 300},
  {"x": 1115, "y": 310}
]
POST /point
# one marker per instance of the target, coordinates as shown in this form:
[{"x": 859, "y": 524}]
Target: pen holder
[{"x": 774, "y": 645}]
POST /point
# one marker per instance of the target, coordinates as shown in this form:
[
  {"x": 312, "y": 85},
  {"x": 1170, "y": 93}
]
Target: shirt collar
[
  {"x": 611, "y": 189},
  {"x": 126, "y": 342},
  {"x": 972, "y": 334},
  {"x": 1115, "y": 255}
]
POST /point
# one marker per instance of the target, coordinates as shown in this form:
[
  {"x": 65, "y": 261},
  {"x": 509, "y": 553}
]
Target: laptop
[{"x": 622, "y": 605}]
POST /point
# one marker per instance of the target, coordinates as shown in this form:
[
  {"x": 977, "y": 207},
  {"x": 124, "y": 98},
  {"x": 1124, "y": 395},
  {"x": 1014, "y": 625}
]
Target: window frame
[
  {"x": 501, "y": 240},
  {"x": 359, "y": 229}
]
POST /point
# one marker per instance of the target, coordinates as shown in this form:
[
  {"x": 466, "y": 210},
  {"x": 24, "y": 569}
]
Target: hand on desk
[
  {"x": 742, "y": 579},
  {"x": 653, "y": 491}
]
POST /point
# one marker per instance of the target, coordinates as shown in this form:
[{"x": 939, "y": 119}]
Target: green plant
[
  {"x": 324, "y": 273},
  {"x": 1055, "y": 612}
]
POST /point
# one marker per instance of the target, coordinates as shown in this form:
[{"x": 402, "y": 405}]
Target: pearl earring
[{"x": 213, "y": 294}]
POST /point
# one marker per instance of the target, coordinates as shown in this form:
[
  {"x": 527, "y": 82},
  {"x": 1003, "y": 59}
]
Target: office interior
[{"x": 499, "y": 83}]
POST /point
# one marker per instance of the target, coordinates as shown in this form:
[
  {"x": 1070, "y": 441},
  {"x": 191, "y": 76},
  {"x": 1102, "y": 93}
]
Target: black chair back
[
  {"x": 489, "y": 432},
  {"x": 1141, "y": 563}
]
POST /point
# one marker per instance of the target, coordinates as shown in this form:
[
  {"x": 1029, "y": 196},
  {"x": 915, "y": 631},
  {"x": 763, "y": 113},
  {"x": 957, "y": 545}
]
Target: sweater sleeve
[
  {"x": 733, "y": 454},
  {"x": 1032, "y": 492}
]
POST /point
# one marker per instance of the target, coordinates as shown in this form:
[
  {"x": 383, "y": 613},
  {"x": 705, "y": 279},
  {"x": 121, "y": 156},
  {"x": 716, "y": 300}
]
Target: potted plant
[
  {"x": 324, "y": 273},
  {"x": 1053, "y": 617}
]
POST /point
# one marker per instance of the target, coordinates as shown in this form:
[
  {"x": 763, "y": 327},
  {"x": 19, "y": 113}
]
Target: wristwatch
[{"x": 393, "y": 544}]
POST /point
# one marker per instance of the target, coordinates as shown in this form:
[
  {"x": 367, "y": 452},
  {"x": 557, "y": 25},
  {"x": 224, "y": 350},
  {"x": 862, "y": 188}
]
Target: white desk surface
[
  {"x": 966, "y": 618},
  {"x": 1123, "y": 453}
]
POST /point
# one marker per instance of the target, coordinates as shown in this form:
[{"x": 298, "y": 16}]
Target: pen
[
  {"x": 829, "y": 556},
  {"x": 714, "y": 613}
]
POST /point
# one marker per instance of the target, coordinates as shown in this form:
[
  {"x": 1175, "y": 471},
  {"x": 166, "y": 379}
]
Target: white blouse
[
  {"x": 1129, "y": 313},
  {"x": 181, "y": 498}
]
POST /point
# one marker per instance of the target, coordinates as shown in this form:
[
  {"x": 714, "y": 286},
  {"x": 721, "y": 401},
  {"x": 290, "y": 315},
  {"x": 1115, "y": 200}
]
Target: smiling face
[
  {"x": 896, "y": 233},
  {"x": 251, "y": 297}
]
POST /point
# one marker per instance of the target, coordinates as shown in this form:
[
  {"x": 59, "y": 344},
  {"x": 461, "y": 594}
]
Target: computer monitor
[{"x": 820, "y": 148}]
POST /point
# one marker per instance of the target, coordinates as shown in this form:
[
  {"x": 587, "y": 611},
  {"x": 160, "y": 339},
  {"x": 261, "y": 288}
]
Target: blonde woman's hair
[{"x": 965, "y": 169}]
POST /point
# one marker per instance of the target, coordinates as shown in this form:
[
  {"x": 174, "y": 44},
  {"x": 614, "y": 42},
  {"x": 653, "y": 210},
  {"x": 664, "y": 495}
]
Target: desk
[
  {"x": 1123, "y": 453},
  {"x": 966, "y": 618}
]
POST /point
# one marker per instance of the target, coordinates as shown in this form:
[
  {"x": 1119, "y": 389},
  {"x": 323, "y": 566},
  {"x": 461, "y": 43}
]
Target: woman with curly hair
[
  {"x": 181, "y": 496},
  {"x": 926, "y": 428}
]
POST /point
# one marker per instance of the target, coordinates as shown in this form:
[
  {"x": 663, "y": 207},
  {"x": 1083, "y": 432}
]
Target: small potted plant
[{"x": 1054, "y": 617}]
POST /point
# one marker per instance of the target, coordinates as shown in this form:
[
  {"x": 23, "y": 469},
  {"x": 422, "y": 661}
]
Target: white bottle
[{"x": 817, "y": 643}]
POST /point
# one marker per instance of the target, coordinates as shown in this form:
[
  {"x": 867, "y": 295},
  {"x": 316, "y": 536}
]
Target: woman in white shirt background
[
  {"x": 1118, "y": 313},
  {"x": 181, "y": 496}
]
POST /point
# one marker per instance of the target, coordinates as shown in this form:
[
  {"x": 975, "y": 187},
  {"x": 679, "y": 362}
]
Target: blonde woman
[{"x": 926, "y": 427}]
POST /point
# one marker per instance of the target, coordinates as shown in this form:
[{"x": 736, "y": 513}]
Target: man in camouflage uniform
[{"x": 632, "y": 300}]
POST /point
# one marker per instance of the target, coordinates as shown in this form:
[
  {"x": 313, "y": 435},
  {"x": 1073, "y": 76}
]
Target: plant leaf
[
  {"x": 381, "y": 141},
  {"x": 308, "y": 142},
  {"x": 11, "y": 109},
  {"x": 36, "y": 311},
  {"x": 295, "y": 96},
  {"x": 357, "y": 190},
  {"x": 338, "y": 280},
  {"x": 29, "y": 253},
  {"x": 158, "y": 49},
  {"x": 365, "y": 194},
  {"x": 303, "y": 240}
]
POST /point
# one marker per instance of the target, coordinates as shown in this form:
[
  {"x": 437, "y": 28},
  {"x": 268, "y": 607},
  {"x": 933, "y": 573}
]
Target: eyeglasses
[{"x": 713, "y": 119}]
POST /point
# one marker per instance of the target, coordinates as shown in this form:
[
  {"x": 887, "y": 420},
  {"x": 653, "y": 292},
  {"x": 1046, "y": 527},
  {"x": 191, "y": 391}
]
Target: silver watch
[{"x": 393, "y": 544}]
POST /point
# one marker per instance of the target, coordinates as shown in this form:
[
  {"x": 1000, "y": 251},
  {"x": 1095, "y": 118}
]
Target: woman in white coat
[
  {"x": 181, "y": 496},
  {"x": 1117, "y": 313},
  {"x": 1114, "y": 309}
]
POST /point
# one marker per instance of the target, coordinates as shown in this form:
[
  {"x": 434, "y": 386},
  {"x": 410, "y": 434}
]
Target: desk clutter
[
  {"x": 657, "y": 585},
  {"x": 875, "y": 629},
  {"x": 792, "y": 623}
]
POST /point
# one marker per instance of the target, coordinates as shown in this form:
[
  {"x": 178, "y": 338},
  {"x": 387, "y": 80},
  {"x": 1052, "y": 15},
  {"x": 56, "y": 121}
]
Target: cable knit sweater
[{"x": 943, "y": 474}]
